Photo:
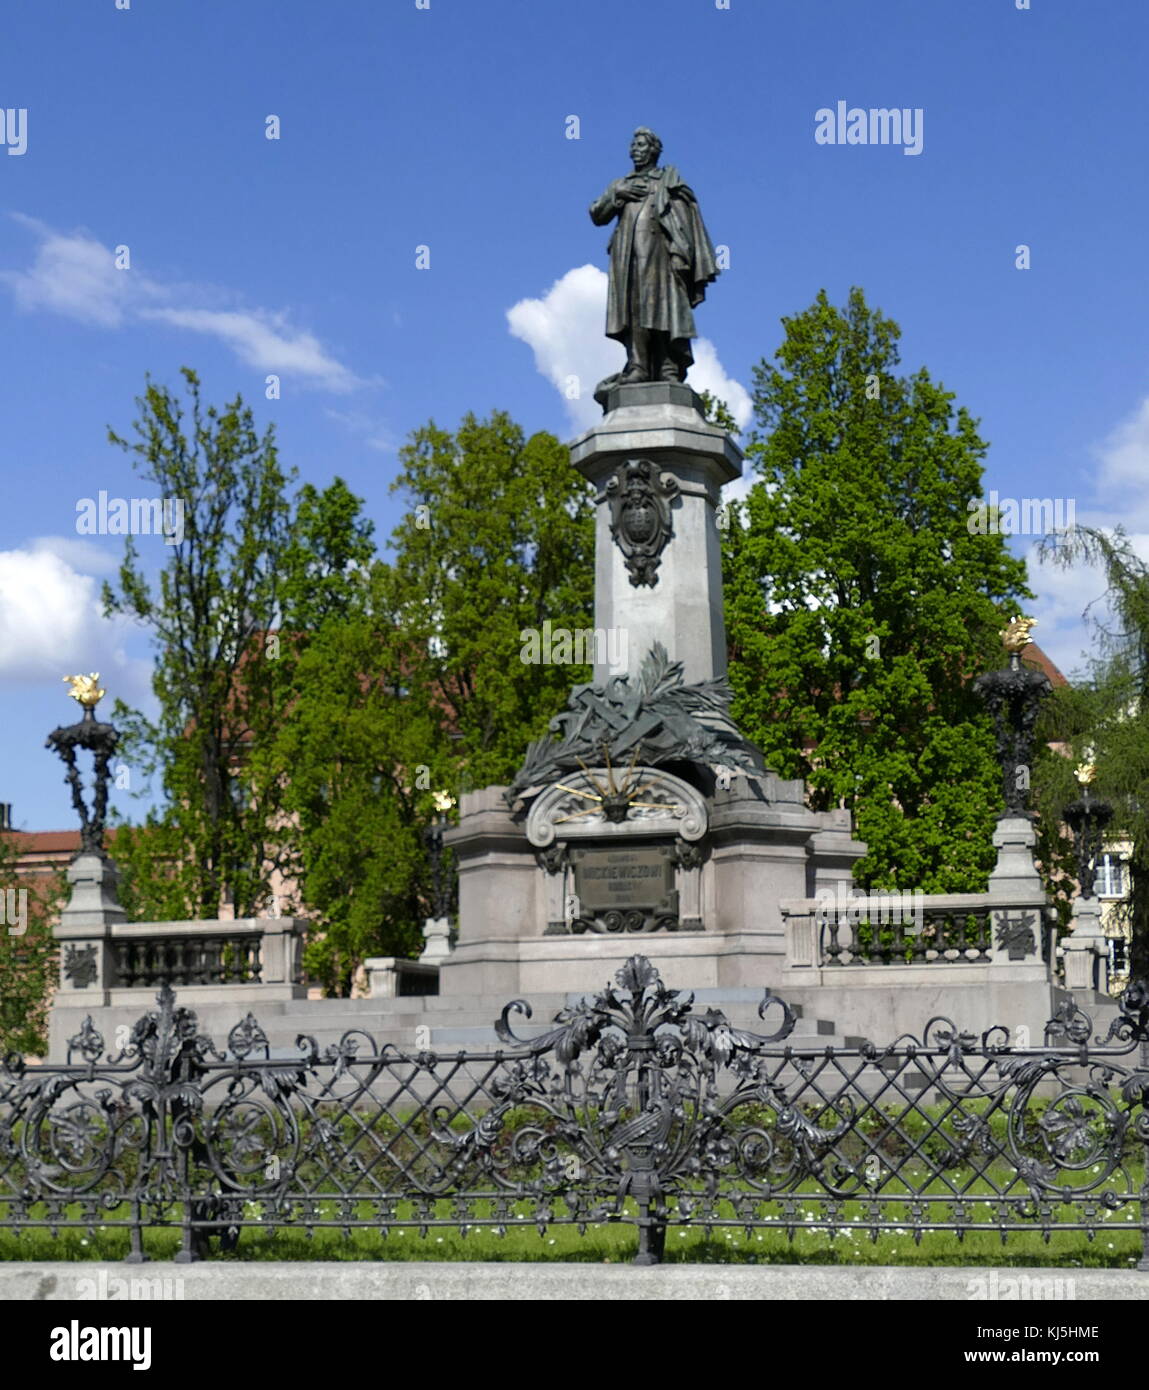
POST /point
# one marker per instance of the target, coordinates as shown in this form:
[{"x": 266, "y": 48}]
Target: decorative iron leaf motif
[{"x": 632, "y": 1106}]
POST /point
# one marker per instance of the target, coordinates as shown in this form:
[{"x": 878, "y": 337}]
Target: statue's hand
[{"x": 632, "y": 190}]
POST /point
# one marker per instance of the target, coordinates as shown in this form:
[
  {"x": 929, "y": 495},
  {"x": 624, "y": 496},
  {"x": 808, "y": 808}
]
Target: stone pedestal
[
  {"x": 502, "y": 896},
  {"x": 679, "y": 599},
  {"x": 1087, "y": 949},
  {"x": 84, "y": 932},
  {"x": 437, "y": 935},
  {"x": 767, "y": 846},
  {"x": 393, "y": 977},
  {"x": 736, "y": 853},
  {"x": 1015, "y": 872}
]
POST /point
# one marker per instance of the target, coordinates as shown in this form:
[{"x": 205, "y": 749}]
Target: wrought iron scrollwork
[{"x": 633, "y": 1107}]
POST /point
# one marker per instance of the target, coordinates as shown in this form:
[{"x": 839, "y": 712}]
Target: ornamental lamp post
[
  {"x": 1087, "y": 946},
  {"x": 99, "y": 739},
  {"x": 437, "y": 927},
  {"x": 1087, "y": 817},
  {"x": 1013, "y": 696},
  {"x": 92, "y": 911}
]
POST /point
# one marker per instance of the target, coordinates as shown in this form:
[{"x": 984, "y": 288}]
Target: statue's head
[{"x": 645, "y": 146}]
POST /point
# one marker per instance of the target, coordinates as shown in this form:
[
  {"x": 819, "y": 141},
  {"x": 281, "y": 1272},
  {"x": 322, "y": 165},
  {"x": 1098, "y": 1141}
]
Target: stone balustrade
[{"x": 914, "y": 929}]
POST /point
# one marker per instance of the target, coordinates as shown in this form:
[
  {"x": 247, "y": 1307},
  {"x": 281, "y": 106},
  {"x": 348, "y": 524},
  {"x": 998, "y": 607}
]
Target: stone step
[
  {"x": 462, "y": 1022},
  {"x": 388, "y": 1027}
]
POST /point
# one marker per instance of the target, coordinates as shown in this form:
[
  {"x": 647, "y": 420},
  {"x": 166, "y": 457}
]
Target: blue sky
[{"x": 446, "y": 127}]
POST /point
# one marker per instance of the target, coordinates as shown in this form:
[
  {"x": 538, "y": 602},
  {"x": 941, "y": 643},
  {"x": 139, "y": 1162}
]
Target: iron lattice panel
[{"x": 632, "y": 1108}]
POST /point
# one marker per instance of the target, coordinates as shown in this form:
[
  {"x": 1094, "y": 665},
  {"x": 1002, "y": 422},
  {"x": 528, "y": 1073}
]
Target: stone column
[
  {"x": 500, "y": 889},
  {"x": 437, "y": 935},
  {"x": 281, "y": 950},
  {"x": 1087, "y": 949},
  {"x": 668, "y": 589},
  {"x": 87, "y": 968},
  {"x": 1015, "y": 872}
]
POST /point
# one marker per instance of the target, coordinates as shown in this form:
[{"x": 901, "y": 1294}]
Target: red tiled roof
[
  {"x": 50, "y": 841},
  {"x": 1035, "y": 657}
]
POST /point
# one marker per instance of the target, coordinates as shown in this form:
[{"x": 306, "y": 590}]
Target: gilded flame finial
[
  {"x": 86, "y": 690},
  {"x": 443, "y": 801},
  {"x": 1085, "y": 773},
  {"x": 1015, "y": 637}
]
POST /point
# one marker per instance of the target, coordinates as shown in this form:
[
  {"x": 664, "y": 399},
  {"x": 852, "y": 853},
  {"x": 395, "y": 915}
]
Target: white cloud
[
  {"x": 708, "y": 374},
  {"x": 1062, "y": 595},
  {"x": 51, "y": 623},
  {"x": 1123, "y": 472},
  {"x": 266, "y": 342},
  {"x": 1121, "y": 482},
  {"x": 74, "y": 275},
  {"x": 372, "y": 432},
  {"x": 564, "y": 329},
  {"x": 78, "y": 553}
]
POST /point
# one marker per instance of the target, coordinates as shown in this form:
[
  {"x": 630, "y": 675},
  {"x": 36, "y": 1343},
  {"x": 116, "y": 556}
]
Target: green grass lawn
[
  {"x": 908, "y": 1150},
  {"x": 1116, "y": 1243}
]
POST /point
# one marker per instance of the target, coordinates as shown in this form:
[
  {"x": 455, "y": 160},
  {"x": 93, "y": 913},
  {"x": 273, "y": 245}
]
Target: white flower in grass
[
  {"x": 438, "y": 1240},
  {"x": 550, "y": 1242}
]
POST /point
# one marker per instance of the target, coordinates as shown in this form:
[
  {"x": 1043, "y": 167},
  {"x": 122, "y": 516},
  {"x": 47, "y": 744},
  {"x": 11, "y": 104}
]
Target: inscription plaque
[
  {"x": 624, "y": 889},
  {"x": 626, "y": 878}
]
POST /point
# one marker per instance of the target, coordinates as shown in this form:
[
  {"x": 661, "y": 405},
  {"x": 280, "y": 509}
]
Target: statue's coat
[{"x": 661, "y": 257}]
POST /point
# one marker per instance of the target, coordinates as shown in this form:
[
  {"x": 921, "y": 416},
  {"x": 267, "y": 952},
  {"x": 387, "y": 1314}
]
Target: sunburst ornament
[
  {"x": 86, "y": 690},
  {"x": 1015, "y": 637},
  {"x": 616, "y": 799},
  {"x": 1085, "y": 773}
]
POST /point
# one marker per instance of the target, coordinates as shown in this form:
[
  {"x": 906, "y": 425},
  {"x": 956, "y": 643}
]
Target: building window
[
  {"x": 1118, "y": 955},
  {"x": 1110, "y": 877}
]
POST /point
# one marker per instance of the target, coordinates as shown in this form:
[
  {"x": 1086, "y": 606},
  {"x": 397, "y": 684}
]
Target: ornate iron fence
[{"x": 633, "y": 1108}]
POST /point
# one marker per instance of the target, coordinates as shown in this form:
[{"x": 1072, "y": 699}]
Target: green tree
[
  {"x": 497, "y": 539},
  {"x": 859, "y": 605},
  {"x": 28, "y": 961},
  {"x": 1105, "y": 718},
  {"x": 358, "y": 798},
  {"x": 405, "y": 674},
  {"x": 212, "y": 620}
]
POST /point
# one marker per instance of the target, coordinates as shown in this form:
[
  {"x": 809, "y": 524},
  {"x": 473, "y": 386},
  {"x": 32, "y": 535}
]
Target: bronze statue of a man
[{"x": 661, "y": 261}]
